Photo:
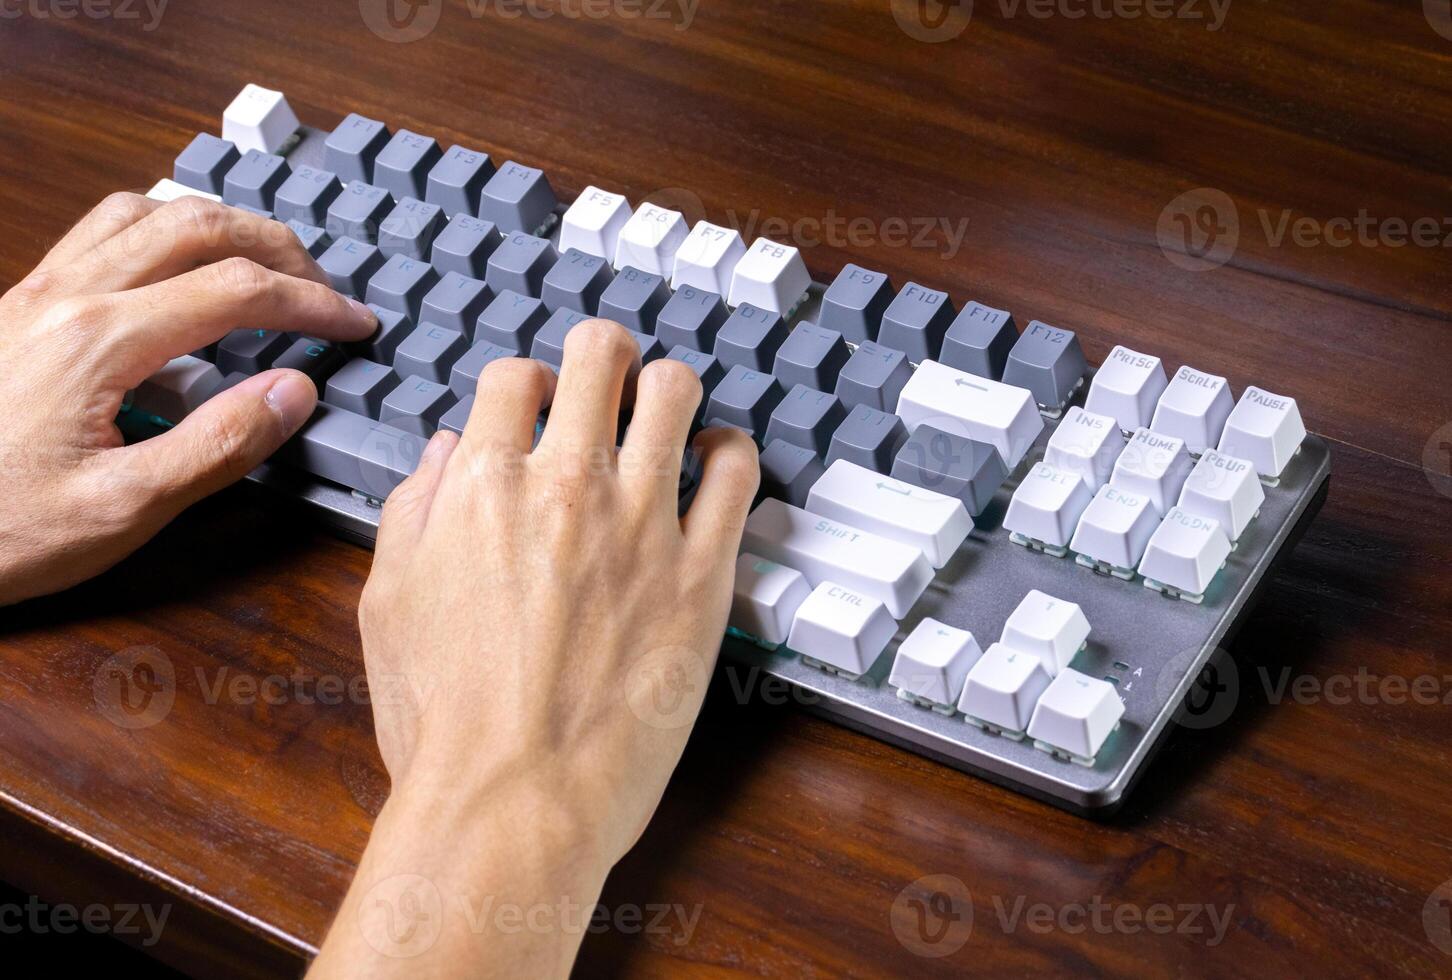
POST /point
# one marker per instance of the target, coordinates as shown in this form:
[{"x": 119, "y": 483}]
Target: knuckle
[
  {"x": 518, "y": 374},
  {"x": 74, "y": 313},
  {"x": 598, "y": 339},
  {"x": 243, "y": 278},
  {"x": 121, "y": 206},
  {"x": 197, "y": 213}
]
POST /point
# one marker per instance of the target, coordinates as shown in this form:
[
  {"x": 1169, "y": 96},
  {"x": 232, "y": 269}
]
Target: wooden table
[{"x": 1316, "y": 819}]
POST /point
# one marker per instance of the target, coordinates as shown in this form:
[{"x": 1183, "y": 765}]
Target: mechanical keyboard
[{"x": 968, "y": 543}]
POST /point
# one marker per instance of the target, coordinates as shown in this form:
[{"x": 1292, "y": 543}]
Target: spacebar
[{"x": 353, "y": 450}]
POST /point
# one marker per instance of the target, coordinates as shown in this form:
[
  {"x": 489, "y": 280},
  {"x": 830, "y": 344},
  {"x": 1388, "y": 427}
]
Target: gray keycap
[
  {"x": 745, "y": 399},
  {"x": 517, "y": 198},
  {"x": 811, "y": 356},
  {"x": 464, "y": 246},
  {"x": 650, "y": 348},
  {"x": 873, "y": 376},
  {"x": 691, "y": 317},
  {"x": 358, "y": 211},
  {"x": 429, "y": 352},
  {"x": 916, "y": 321},
  {"x": 456, "y": 303},
  {"x": 401, "y": 284},
  {"x": 306, "y": 196},
  {"x": 576, "y": 282},
  {"x": 520, "y": 263},
  {"x": 351, "y": 148},
  {"x": 318, "y": 359},
  {"x": 393, "y": 326},
  {"x": 788, "y": 472},
  {"x": 853, "y": 305},
  {"x": 456, "y": 180},
  {"x": 511, "y": 320},
  {"x": 254, "y": 179},
  {"x": 403, "y": 165},
  {"x": 314, "y": 239},
  {"x": 708, "y": 370},
  {"x": 1047, "y": 361},
  {"x": 355, "y": 451},
  {"x": 549, "y": 342},
  {"x": 360, "y": 386},
  {"x": 464, "y": 378},
  {"x": 349, "y": 265},
  {"x": 250, "y": 351},
  {"x": 416, "y": 405},
  {"x": 979, "y": 341},
  {"x": 868, "y": 438},
  {"x": 260, "y": 212},
  {"x": 457, "y": 417},
  {"x": 205, "y": 162},
  {"x": 806, "y": 418},
  {"x": 951, "y": 464},
  {"x": 750, "y": 337},
  {"x": 634, "y": 299},
  {"x": 410, "y": 228}
]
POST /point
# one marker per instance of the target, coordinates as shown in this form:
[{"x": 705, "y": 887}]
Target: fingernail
[
  {"x": 367, "y": 316},
  {"x": 440, "y": 441},
  {"x": 293, "y": 398}
]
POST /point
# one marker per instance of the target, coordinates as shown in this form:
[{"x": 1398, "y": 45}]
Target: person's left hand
[{"x": 131, "y": 286}]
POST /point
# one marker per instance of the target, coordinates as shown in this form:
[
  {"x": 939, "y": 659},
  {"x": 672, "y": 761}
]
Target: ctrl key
[
  {"x": 841, "y": 631},
  {"x": 359, "y": 453},
  {"x": 766, "y": 599},
  {"x": 1075, "y": 715}
]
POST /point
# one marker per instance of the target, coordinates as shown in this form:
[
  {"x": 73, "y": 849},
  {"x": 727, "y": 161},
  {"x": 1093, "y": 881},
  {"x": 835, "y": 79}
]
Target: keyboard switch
[
  {"x": 691, "y": 318},
  {"x": 770, "y": 276},
  {"x": 592, "y": 224},
  {"x": 868, "y": 438},
  {"x": 932, "y": 664},
  {"x": 1086, "y": 444},
  {"x": 203, "y": 165},
  {"x": 1001, "y": 690},
  {"x": 789, "y": 472},
  {"x": 1154, "y": 465},
  {"x": 1114, "y": 531},
  {"x": 707, "y": 258},
  {"x": 254, "y": 180},
  {"x": 306, "y": 196},
  {"x": 980, "y": 340},
  {"x": 1051, "y": 629},
  {"x": 765, "y": 599},
  {"x": 403, "y": 166},
  {"x": 350, "y": 150},
  {"x": 1226, "y": 489},
  {"x": 634, "y": 299},
  {"x": 410, "y": 229},
  {"x": 456, "y": 181},
  {"x": 841, "y": 630},
  {"x": 349, "y": 265},
  {"x": 916, "y": 321},
  {"x": 1046, "y": 509},
  {"x": 517, "y": 198},
  {"x": 1184, "y": 554},
  {"x": 855, "y": 302},
  {"x": 874, "y": 376},
  {"x": 1049, "y": 362},
  {"x": 745, "y": 399},
  {"x": 935, "y": 523},
  {"x": 1074, "y": 716},
  {"x": 1265, "y": 429},
  {"x": 806, "y": 418},
  {"x": 1194, "y": 408},
  {"x": 1127, "y": 387},
  {"x": 650, "y": 239}
]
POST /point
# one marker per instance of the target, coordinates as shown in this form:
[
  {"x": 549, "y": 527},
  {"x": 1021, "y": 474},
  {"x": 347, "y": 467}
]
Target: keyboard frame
[{"x": 1165, "y": 642}]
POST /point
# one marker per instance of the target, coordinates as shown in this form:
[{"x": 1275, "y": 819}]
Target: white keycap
[
  {"x": 592, "y": 224},
  {"x": 648, "y": 241},
  {"x": 1155, "y": 465},
  {"x": 1223, "y": 488},
  {"x": 934, "y": 661},
  {"x": 825, "y": 550},
  {"x": 1002, "y": 416},
  {"x": 1051, "y": 629},
  {"x": 1087, "y": 444},
  {"x": 179, "y": 387},
  {"x": 1185, "y": 552},
  {"x": 766, "y": 598},
  {"x": 933, "y": 522},
  {"x": 1047, "y": 505},
  {"x": 1076, "y": 714},
  {"x": 1265, "y": 429},
  {"x": 1003, "y": 687},
  {"x": 842, "y": 628},
  {"x": 258, "y": 119},
  {"x": 1194, "y": 408},
  {"x": 1126, "y": 387},
  {"x": 770, "y": 276},
  {"x": 707, "y": 258},
  {"x": 167, "y": 189},
  {"x": 1115, "y": 527}
]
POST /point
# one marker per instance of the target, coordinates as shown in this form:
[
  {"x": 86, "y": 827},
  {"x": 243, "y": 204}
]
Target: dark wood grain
[{"x": 1321, "y": 827}]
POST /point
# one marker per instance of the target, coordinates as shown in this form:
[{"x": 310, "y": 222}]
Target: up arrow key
[{"x": 935, "y": 523}]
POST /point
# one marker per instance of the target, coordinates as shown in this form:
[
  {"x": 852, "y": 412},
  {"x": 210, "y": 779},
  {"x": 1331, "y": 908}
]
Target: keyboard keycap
[
  {"x": 828, "y": 551},
  {"x": 1075, "y": 714},
  {"x": 1047, "y": 361},
  {"x": 517, "y": 198},
  {"x": 874, "y": 376},
  {"x": 933, "y": 662},
  {"x": 250, "y": 351},
  {"x": 691, "y": 318},
  {"x": 806, "y": 418},
  {"x": 1194, "y": 408},
  {"x": 258, "y": 119},
  {"x": 511, "y": 320},
  {"x": 417, "y": 405},
  {"x": 766, "y": 598},
  {"x": 1047, "y": 506},
  {"x": 457, "y": 180},
  {"x": 1001, "y": 415},
  {"x": 708, "y": 371},
  {"x": 318, "y": 359},
  {"x": 520, "y": 263},
  {"x": 360, "y": 386},
  {"x": 351, "y": 149},
  {"x": 254, "y": 179},
  {"x": 855, "y": 302},
  {"x": 576, "y": 282},
  {"x": 980, "y": 340},
  {"x": 455, "y": 302},
  {"x": 401, "y": 284},
  {"x": 1185, "y": 552},
  {"x": 770, "y": 276},
  {"x": 745, "y": 399},
  {"x": 549, "y": 342},
  {"x": 788, "y": 472},
  {"x": 1115, "y": 528},
  {"x": 951, "y": 464},
  {"x": 1086, "y": 444},
  {"x": 1265, "y": 429},
  {"x": 916, "y": 321},
  {"x": 306, "y": 196},
  {"x": 592, "y": 224},
  {"x": 1051, "y": 629},
  {"x": 868, "y": 438},
  {"x": 811, "y": 356},
  {"x": 403, "y": 165},
  {"x": 464, "y": 378},
  {"x": 315, "y": 240},
  {"x": 650, "y": 239},
  {"x": 457, "y": 417},
  {"x": 355, "y": 451},
  {"x": 707, "y": 258},
  {"x": 393, "y": 326},
  {"x": 1127, "y": 387},
  {"x": 1225, "y": 489},
  {"x": 750, "y": 337},
  {"x": 359, "y": 211},
  {"x": 429, "y": 352},
  {"x": 841, "y": 628},
  {"x": 934, "y": 523},
  {"x": 166, "y": 190},
  {"x": 634, "y": 299},
  {"x": 410, "y": 229},
  {"x": 1154, "y": 465},
  {"x": 464, "y": 246},
  {"x": 350, "y": 265},
  {"x": 177, "y": 389},
  {"x": 205, "y": 162},
  {"x": 1002, "y": 689}
]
